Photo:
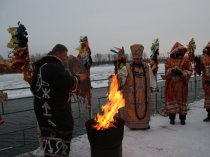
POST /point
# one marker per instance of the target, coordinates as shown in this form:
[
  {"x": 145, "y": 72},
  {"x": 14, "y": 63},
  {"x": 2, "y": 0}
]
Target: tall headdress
[
  {"x": 120, "y": 52},
  {"x": 178, "y": 47},
  {"x": 208, "y": 45},
  {"x": 137, "y": 50},
  {"x": 206, "y": 51}
]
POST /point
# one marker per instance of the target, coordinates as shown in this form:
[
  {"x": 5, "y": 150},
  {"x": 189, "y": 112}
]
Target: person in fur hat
[
  {"x": 178, "y": 70},
  {"x": 205, "y": 70},
  {"x": 137, "y": 91}
]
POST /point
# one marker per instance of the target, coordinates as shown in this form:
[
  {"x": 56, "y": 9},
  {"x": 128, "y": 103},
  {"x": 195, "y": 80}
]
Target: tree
[
  {"x": 98, "y": 57},
  {"x": 109, "y": 57}
]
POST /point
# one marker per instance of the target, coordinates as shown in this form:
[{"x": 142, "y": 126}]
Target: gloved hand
[{"x": 176, "y": 72}]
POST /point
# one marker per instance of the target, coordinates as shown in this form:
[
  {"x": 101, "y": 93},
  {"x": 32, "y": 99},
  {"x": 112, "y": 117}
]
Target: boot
[
  {"x": 207, "y": 119},
  {"x": 172, "y": 118},
  {"x": 182, "y": 119},
  {"x": 172, "y": 121},
  {"x": 182, "y": 122}
]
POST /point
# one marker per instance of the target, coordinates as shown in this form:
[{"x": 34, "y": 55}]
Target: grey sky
[{"x": 107, "y": 23}]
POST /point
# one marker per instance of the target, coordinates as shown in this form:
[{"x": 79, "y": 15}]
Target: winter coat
[{"x": 51, "y": 86}]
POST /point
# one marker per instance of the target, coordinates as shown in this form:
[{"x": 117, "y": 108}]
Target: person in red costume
[
  {"x": 178, "y": 70},
  {"x": 204, "y": 68}
]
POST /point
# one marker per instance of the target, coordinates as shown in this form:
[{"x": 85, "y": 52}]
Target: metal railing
[{"x": 20, "y": 128}]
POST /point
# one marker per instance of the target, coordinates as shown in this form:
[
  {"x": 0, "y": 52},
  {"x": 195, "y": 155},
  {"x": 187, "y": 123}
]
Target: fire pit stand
[{"x": 106, "y": 143}]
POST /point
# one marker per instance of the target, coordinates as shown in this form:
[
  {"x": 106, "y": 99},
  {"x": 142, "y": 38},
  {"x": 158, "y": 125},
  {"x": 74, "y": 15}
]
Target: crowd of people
[{"x": 52, "y": 87}]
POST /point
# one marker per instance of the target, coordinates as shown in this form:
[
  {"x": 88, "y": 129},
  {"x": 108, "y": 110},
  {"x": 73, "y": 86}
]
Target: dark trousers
[
  {"x": 173, "y": 116},
  {"x": 208, "y": 110}
]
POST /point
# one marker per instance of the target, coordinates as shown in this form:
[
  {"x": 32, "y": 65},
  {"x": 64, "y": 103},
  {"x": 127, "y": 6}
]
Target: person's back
[{"x": 51, "y": 86}]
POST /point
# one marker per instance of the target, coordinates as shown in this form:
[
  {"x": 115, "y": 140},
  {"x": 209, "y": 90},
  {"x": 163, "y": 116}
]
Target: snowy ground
[{"x": 162, "y": 140}]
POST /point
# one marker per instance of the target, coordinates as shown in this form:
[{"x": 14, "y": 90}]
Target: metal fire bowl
[{"x": 110, "y": 137}]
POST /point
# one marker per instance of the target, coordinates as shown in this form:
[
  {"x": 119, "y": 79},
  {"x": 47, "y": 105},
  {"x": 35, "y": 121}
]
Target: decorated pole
[
  {"x": 119, "y": 65},
  {"x": 84, "y": 56},
  {"x": 191, "y": 54},
  {"x": 154, "y": 58},
  {"x": 19, "y": 60},
  {"x": 120, "y": 60},
  {"x": 84, "y": 53},
  {"x": 154, "y": 66},
  {"x": 19, "y": 56}
]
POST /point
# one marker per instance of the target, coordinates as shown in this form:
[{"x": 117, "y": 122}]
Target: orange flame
[{"x": 116, "y": 101}]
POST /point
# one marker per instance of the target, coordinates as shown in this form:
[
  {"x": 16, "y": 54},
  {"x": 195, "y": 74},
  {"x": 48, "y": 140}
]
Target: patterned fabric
[
  {"x": 85, "y": 53},
  {"x": 205, "y": 66},
  {"x": 191, "y": 50},
  {"x": 51, "y": 87},
  {"x": 154, "y": 56},
  {"x": 137, "y": 50},
  {"x": 178, "y": 72},
  {"x": 128, "y": 113},
  {"x": 19, "y": 59},
  {"x": 56, "y": 142}
]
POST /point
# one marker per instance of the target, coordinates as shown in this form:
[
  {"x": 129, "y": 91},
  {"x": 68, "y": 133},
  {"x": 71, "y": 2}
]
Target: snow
[{"x": 161, "y": 140}]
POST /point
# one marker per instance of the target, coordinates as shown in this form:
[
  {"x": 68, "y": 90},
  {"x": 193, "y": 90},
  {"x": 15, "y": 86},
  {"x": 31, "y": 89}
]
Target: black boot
[
  {"x": 172, "y": 122},
  {"x": 182, "y": 122},
  {"x": 172, "y": 118},
  {"x": 207, "y": 119},
  {"x": 182, "y": 119}
]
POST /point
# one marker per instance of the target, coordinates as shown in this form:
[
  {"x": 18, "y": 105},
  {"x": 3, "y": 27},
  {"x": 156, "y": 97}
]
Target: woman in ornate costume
[{"x": 137, "y": 91}]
